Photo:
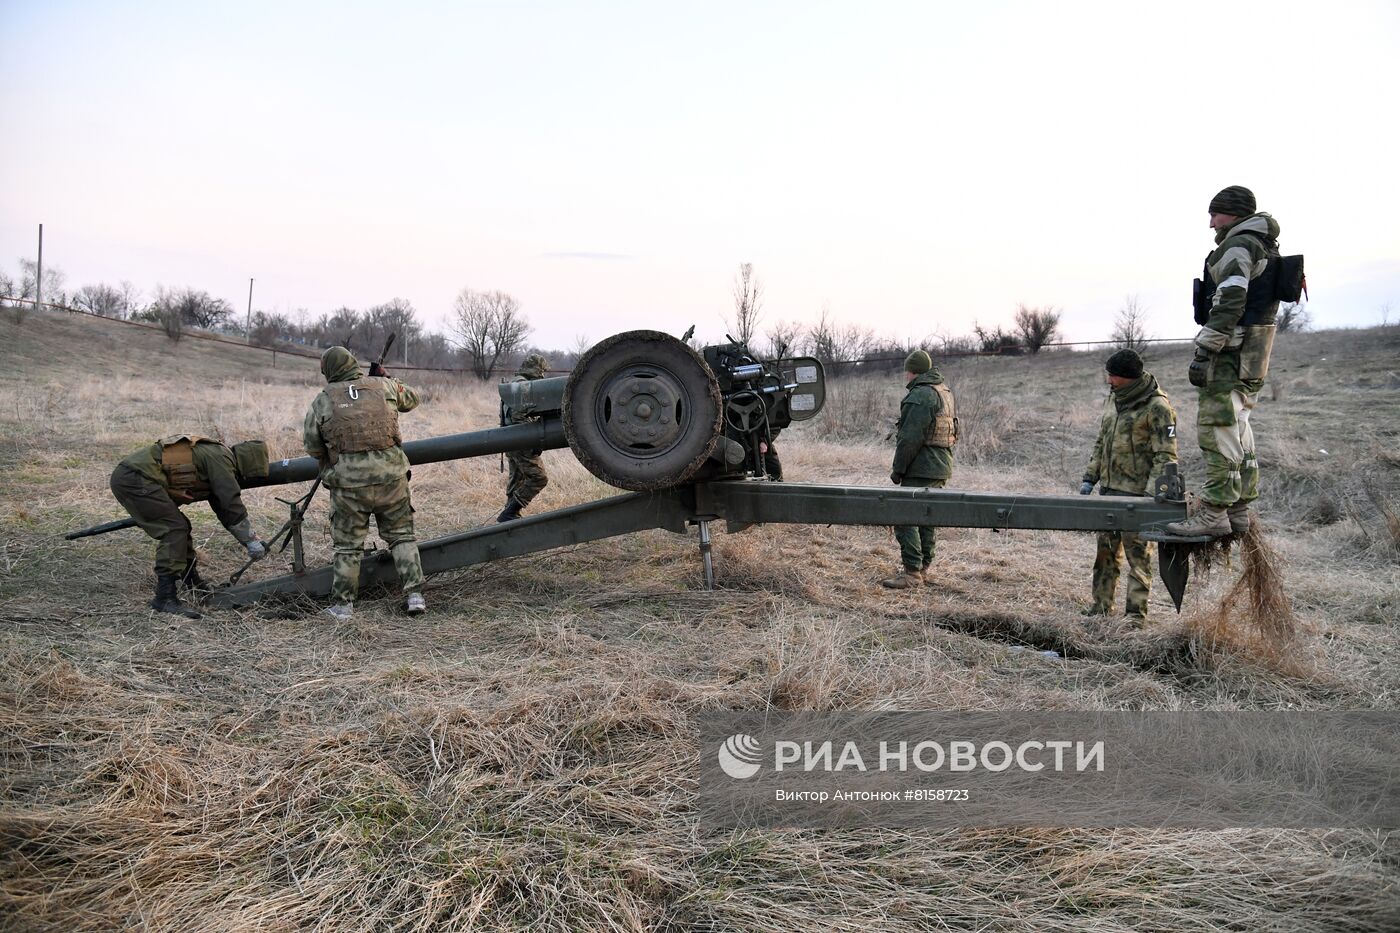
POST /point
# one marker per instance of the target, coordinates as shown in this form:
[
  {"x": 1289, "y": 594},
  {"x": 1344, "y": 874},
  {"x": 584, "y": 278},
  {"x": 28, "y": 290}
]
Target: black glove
[
  {"x": 896, "y": 477},
  {"x": 1086, "y": 487},
  {"x": 1200, "y": 364},
  {"x": 376, "y": 370}
]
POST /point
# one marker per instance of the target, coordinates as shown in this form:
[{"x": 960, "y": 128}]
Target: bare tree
[
  {"x": 840, "y": 347},
  {"x": 8, "y": 291},
  {"x": 488, "y": 326},
  {"x": 101, "y": 299},
  {"x": 748, "y": 304},
  {"x": 269, "y": 329},
  {"x": 997, "y": 340},
  {"x": 1037, "y": 326},
  {"x": 393, "y": 317},
  {"x": 783, "y": 338},
  {"x": 53, "y": 282},
  {"x": 1130, "y": 325},
  {"x": 1293, "y": 317}
]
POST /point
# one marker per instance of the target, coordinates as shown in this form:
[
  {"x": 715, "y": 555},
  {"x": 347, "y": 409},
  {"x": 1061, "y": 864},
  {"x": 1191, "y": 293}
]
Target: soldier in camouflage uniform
[
  {"x": 352, "y": 428},
  {"x": 923, "y": 457},
  {"x": 154, "y": 482},
  {"x": 527, "y": 475},
  {"x": 1231, "y": 360},
  {"x": 1137, "y": 439}
]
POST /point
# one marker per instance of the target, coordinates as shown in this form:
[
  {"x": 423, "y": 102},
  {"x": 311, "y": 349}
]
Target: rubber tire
[{"x": 593, "y": 378}]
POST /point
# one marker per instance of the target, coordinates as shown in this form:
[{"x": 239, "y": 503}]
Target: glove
[
  {"x": 376, "y": 370},
  {"x": 1085, "y": 488},
  {"x": 1199, "y": 365},
  {"x": 896, "y": 478},
  {"x": 256, "y": 550}
]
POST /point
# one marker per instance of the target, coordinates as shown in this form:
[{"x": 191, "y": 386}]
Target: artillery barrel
[{"x": 544, "y": 434}]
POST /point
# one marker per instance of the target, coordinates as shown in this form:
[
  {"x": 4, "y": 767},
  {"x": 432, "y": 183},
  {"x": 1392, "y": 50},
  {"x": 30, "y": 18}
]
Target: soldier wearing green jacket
[
  {"x": 923, "y": 457},
  {"x": 154, "y": 482},
  {"x": 1231, "y": 360},
  {"x": 352, "y": 428},
  {"x": 527, "y": 475},
  {"x": 1137, "y": 439}
]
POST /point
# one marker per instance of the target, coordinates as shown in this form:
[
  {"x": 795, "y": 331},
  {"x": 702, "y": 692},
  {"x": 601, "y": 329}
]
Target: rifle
[{"x": 377, "y": 367}]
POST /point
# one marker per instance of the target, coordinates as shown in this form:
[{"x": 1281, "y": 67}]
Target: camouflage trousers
[
  {"x": 1107, "y": 562},
  {"x": 527, "y": 476},
  {"x": 392, "y": 509},
  {"x": 917, "y": 542},
  {"x": 1225, "y": 434},
  {"x": 158, "y": 516}
]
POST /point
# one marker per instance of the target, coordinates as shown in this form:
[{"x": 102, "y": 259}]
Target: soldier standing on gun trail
[
  {"x": 923, "y": 457},
  {"x": 154, "y": 482},
  {"x": 1237, "y": 311},
  {"x": 527, "y": 475},
  {"x": 352, "y": 428},
  {"x": 1137, "y": 439}
]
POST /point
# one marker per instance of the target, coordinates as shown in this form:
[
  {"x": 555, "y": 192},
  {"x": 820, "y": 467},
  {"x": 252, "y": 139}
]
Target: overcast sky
[{"x": 914, "y": 167}]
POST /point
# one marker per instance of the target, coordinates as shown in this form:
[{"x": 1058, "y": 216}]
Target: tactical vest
[
  {"x": 1282, "y": 279},
  {"x": 361, "y": 418},
  {"x": 177, "y": 463},
  {"x": 943, "y": 431}
]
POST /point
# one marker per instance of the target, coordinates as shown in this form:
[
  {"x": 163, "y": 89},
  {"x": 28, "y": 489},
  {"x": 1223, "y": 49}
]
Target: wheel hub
[{"x": 640, "y": 410}]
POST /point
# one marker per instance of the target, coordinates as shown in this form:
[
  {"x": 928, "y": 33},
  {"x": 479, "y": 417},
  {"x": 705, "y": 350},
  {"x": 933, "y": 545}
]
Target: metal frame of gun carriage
[{"x": 683, "y": 431}]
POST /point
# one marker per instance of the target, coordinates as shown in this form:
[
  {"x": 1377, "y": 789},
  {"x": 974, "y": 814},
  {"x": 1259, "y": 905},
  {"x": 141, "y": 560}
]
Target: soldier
[
  {"x": 352, "y": 428},
  {"x": 1237, "y": 313},
  {"x": 1137, "y": 438},
  {"x": 154, "y": 482},
  {"x": 527, "y": 475},
  {"x": 923, "y": 457}
]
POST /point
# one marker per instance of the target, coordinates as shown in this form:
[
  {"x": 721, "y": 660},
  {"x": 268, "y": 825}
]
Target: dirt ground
[{"x": 522, "y": 757}]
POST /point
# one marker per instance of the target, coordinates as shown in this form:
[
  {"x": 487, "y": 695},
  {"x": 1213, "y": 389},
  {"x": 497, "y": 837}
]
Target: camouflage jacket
[
  {"x": 214, "y": 465},
  {"x": 1137, "y": 438},
  {"x": 1240, "y": 256},
  {"x": 913, "y": 458},
  {"x": 366, "y": 468}
]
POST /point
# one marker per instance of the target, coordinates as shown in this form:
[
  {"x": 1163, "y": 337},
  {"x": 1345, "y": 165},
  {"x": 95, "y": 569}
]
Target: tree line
[{"x": 488, "y": 333}]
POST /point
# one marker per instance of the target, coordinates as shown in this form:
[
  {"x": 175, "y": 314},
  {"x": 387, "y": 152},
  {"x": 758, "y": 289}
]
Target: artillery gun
[{"x": 683, "y": 432}]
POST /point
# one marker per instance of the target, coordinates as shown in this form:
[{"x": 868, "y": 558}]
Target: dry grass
[{"x": 522, "y": 757}]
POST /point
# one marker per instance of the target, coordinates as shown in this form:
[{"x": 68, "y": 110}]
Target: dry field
[{"x": 521, "y": 758}]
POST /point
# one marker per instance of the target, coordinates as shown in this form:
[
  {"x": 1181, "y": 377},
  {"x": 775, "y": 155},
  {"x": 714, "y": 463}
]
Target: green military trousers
[
  {"x": 158, "y": 516},
  {"x": 1225, "y": 434},
  {"x": 916, "y": 542},
  {"x": 392, "y": 509},
  {"x": 527, "y": 476}
]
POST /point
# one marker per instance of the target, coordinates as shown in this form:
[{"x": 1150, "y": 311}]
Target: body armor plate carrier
[
  {"x": 943, "y": 431},
  {"x": 177, "y": 463},
  {"x": 361, "y": 418}
]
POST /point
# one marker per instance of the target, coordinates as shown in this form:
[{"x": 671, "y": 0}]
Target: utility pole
[
  {"x": 39, "y": 275},
  {"x": 248, "y": 322}
]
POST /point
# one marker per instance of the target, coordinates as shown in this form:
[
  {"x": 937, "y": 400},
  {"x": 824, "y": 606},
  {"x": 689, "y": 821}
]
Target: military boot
[
  {"x": 167, "y": 600},
  {"x": 1239, "y": 518},
  {"x": 1207, "y": 520},
  {"x": 928, "y": 575},
  {"x": 511, "y": 512},
  {"x": 193, "y": 582},
  {"x": 904, "y": 580}
]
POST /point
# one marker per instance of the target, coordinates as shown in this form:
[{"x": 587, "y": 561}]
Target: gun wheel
[{"x": 642, "y": 411}]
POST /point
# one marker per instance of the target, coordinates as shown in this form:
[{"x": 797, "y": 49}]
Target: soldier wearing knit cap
[
  {"x": 923, "y": 457},
  {"x": 1137, "y": 439},
  {"x": 1236, "y": 310}
]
